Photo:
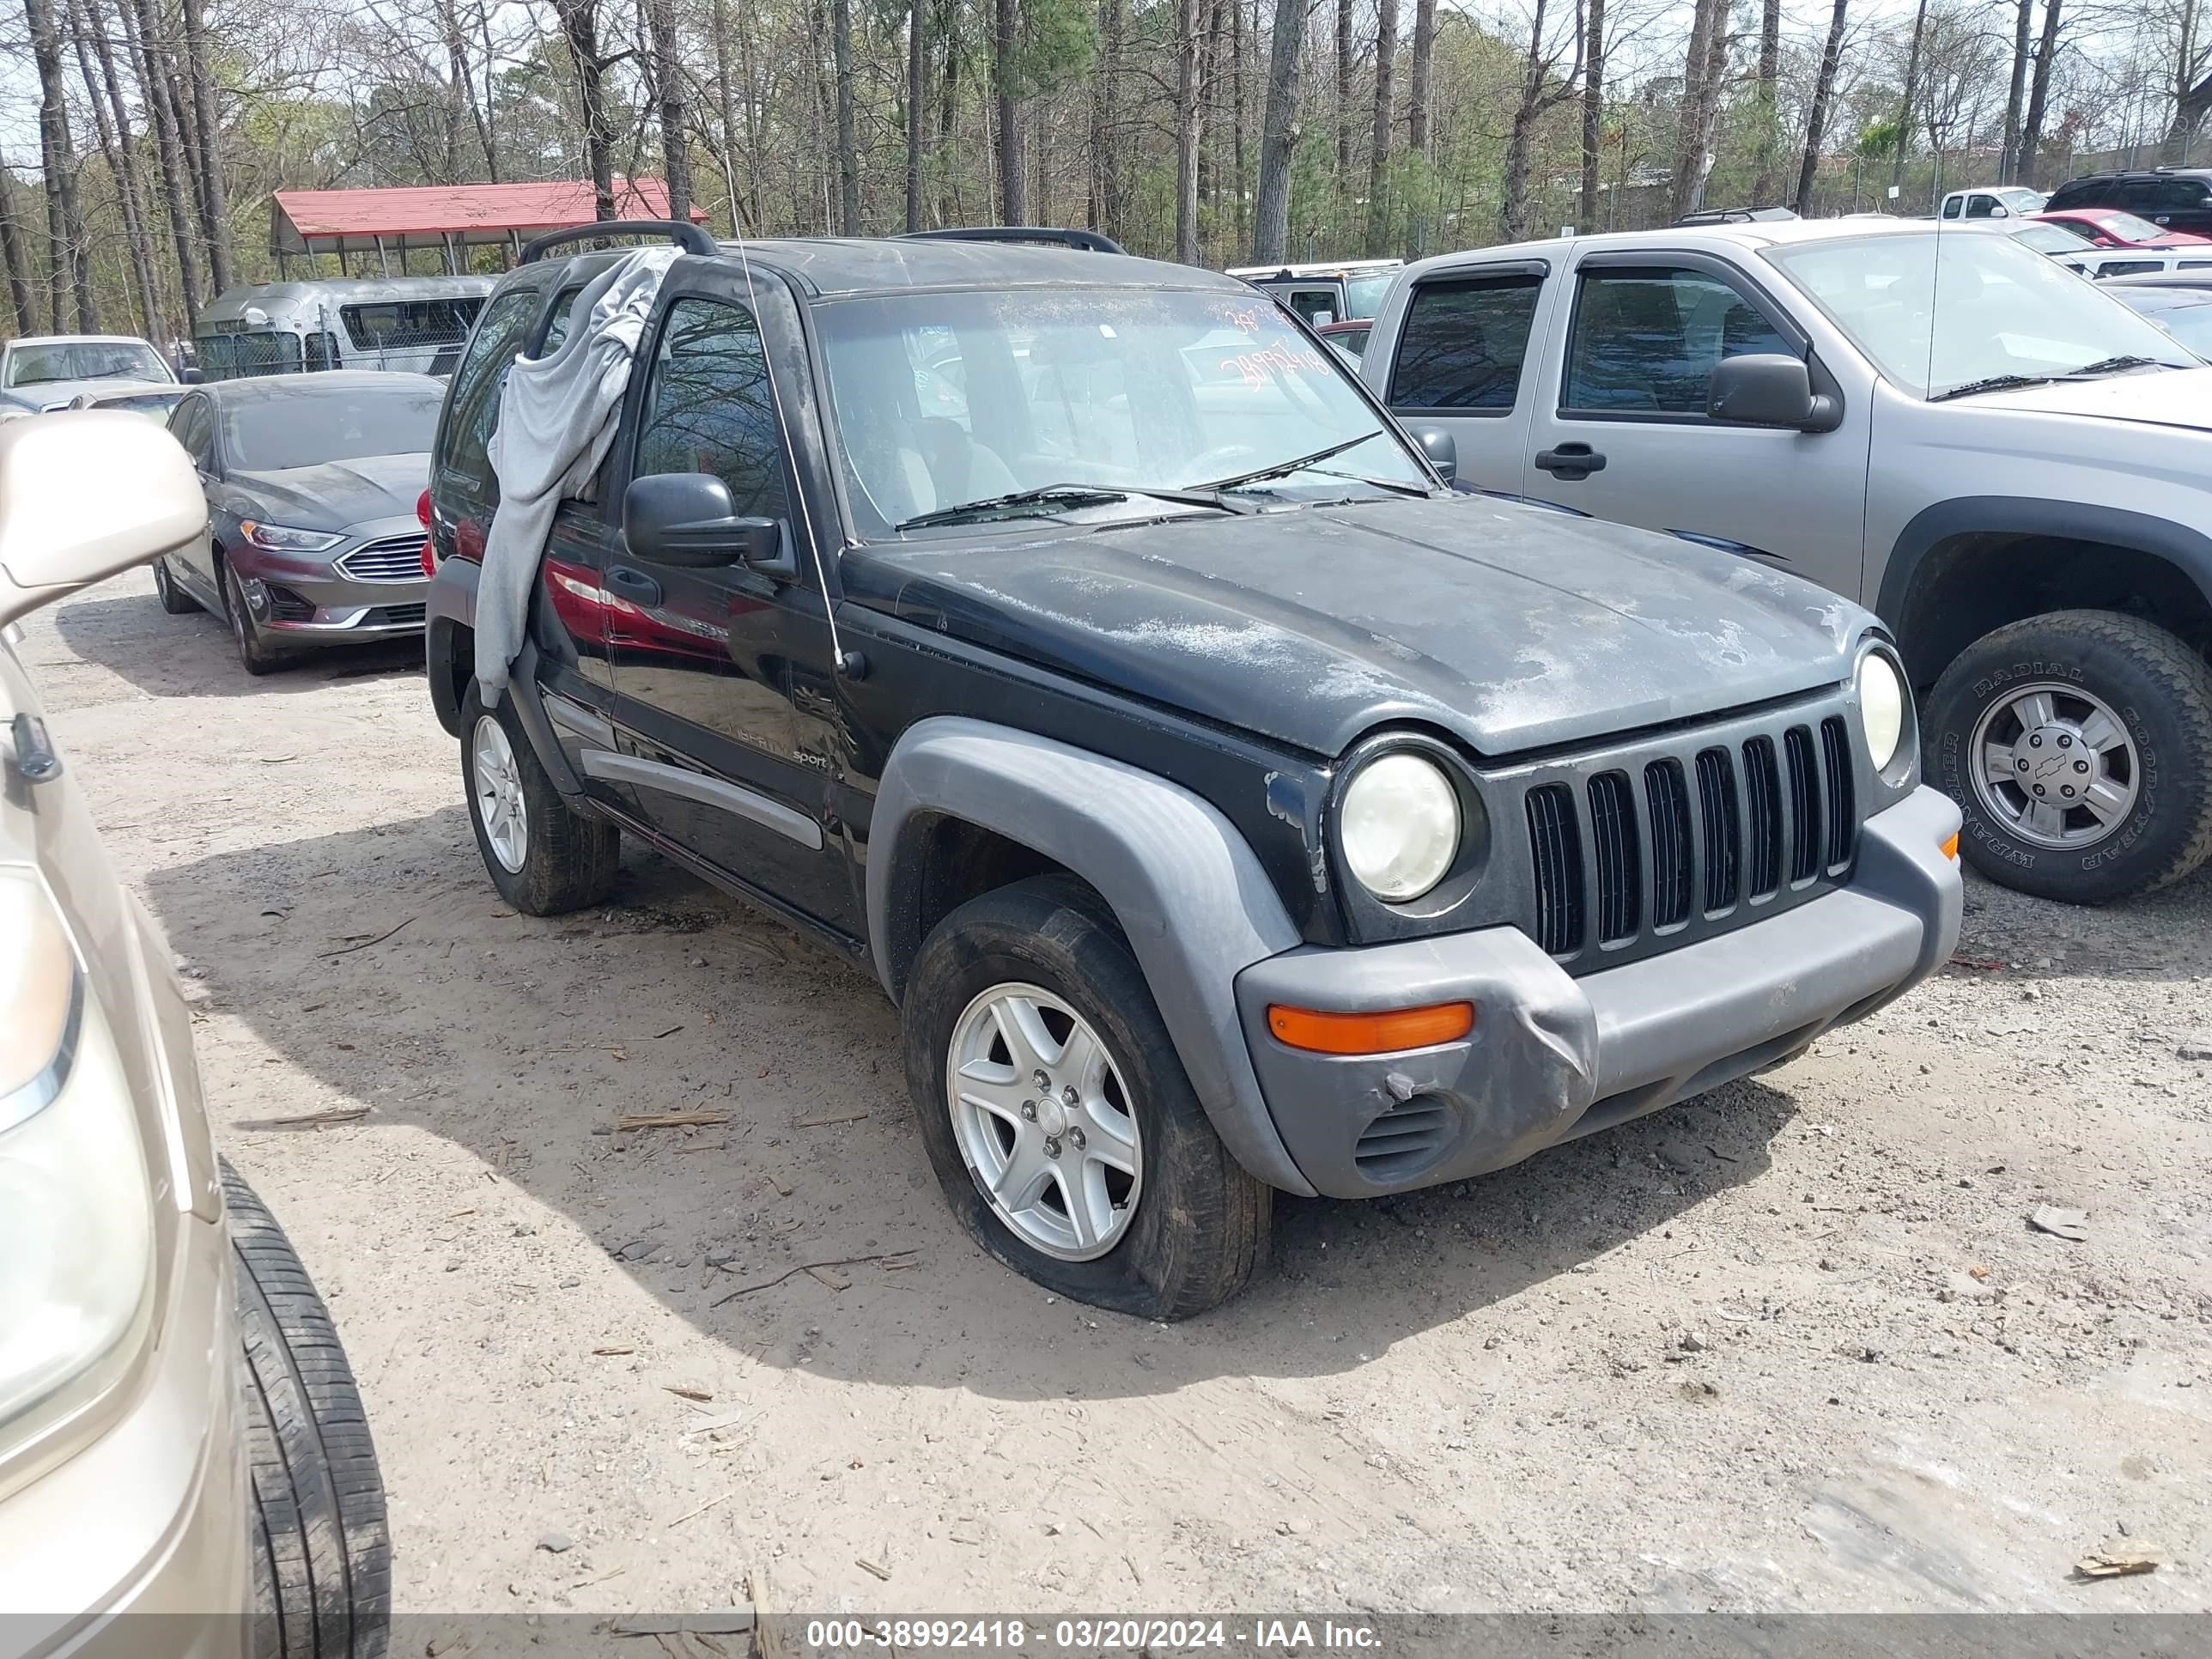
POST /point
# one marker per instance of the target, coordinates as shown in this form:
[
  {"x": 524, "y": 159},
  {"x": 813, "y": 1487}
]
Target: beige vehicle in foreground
[{"x": 183, "y": 1467}]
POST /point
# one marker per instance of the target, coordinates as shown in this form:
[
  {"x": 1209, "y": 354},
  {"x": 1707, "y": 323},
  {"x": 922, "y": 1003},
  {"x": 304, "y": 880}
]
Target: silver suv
[
  {"x": 2011, "y": 467},
  {"x": 180, "y": 1439}
]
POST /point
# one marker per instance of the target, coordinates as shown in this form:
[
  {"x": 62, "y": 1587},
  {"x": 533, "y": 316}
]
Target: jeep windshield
[
  {"x": 1950, "y": 313},
  {"x": 977, "y": 406}
]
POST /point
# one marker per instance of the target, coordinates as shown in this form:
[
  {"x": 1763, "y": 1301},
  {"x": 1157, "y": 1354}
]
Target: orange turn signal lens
[
  {"x": 1370, "y": 1034},
  {"x": 1950, "y": 846}
]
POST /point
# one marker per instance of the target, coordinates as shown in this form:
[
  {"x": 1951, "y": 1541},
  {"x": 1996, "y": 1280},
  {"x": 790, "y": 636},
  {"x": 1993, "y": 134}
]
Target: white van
[{"x": 414, "y": 322}]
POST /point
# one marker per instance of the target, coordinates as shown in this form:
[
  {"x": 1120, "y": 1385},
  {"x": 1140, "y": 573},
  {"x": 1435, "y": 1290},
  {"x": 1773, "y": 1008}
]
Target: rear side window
[
  {"x": 2129, "y": 267},
  {"x": 2084, "y": 192},
  {"x": 1647, "y": 338},
  {"x": 1463, "y": 344},
  {"x": 473, "y": 404}
]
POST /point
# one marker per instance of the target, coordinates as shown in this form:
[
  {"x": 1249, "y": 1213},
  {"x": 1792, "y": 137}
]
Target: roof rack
[
  {"x": 1050, "y": 235},
  {"x": 1736, "y": 215},
  {"x": 688, "y": 237}
]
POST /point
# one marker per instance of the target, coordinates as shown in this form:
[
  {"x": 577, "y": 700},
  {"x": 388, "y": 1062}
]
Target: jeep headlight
[
  {"x": 1881, "y": 707},
  {"x": 1399, "y": 825},
  {"x": 76, "y": 1223}
]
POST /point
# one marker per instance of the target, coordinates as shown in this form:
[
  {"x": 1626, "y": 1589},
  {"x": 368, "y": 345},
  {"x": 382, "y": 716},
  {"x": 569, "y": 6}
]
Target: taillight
[{"x": 422, "y": 513}]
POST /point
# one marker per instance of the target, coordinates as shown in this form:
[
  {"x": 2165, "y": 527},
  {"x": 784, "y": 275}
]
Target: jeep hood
[
  {"x": 1513, "y": 627},
  {"x": 2174, "y": 397}
]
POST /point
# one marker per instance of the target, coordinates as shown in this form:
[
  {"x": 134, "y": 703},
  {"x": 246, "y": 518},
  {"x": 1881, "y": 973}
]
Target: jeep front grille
[
  {"x": 1557, "y": 849},
  {"x": 1634, "y": 849}
]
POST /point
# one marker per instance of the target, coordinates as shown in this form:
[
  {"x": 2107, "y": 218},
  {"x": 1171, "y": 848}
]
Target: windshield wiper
[
  {"x": 1995, "y": 383},
  {"x": 2112, "y": 366},
  {"x": 1056, "y": 496},
  {"x": 1400, "y": 486},
  {"x": 1304, "y": 463}
]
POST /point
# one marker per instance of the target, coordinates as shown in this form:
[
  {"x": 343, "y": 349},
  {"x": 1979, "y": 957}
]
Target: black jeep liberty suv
[{"x": 1226, "y": 803}]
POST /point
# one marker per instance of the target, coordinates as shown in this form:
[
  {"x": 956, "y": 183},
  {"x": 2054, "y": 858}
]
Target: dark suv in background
[
  {"x": 1225, "y": 803},
  {"x": 2177, "y": 199}
]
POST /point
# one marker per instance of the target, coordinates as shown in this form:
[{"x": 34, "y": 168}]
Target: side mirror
[
  {"x": 1443, "y": 453},
  {"x": 84, "y": 498},
  {"x": 1764, "y": 388},
  {"x": 688, "y": 519},
  {"x": 192, "y": 377}
]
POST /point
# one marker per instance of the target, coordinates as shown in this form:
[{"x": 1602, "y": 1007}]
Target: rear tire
[
  {"x": 2098, "y": 701},
  {"x": 174, "y": 598},
  {"x": 544, "y": 857},
  {"x": 322, "y": 1554},
  {"x": 1199, "y": 1227},
  {"x": 255, "y": 653}
]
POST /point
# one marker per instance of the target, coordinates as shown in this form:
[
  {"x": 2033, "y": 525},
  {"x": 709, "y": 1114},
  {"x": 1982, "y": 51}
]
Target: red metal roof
[{"x": 437, "y": 209}]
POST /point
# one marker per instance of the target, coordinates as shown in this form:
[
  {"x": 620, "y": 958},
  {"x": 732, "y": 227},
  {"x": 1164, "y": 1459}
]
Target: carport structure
[{"x": 446, "y": 219}]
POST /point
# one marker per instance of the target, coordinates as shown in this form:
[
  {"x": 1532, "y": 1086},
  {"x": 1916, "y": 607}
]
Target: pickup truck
[
  {"x": 2008, "y": 466},
  {"x": 1226, "y": 805}
]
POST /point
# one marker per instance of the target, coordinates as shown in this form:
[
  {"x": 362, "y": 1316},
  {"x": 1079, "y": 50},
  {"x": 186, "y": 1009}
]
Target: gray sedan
[{"x": 312, "y": 482}]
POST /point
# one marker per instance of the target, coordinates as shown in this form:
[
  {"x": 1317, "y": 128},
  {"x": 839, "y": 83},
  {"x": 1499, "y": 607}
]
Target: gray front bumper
[{"x": 1552, "y": 1056}]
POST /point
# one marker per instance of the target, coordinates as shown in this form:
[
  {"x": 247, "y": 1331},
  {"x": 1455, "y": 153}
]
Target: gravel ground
[{"x": 1793, "y": 1346}]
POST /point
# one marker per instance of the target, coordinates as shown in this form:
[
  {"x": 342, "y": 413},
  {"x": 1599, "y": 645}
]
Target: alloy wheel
[
  {"x": 1043, "y": 1121},
  {"x": 498, "y": 788},
  {"x": 2055, "y": 764}
]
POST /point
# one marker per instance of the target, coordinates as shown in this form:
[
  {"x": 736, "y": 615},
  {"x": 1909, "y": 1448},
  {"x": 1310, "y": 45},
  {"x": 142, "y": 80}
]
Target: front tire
[
  {"x": 255, "y": 653},
  {"x": 322, "y": 1552},
  {"x": 2079, "y": 747},
  {"x": 544, "y": 857},
  {"x": 174, "y": 598},
  {"x": 1105, "y": 1182}
]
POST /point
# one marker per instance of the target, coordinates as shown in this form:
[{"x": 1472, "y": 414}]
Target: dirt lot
[{"x": 1793, "y": 1346}]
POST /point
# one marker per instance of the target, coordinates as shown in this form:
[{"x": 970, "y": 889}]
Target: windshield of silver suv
[
  {"x": 2009, "y": 316},
  {"x": 950, "y": 405},
  {"x": 84, "y": 359}
]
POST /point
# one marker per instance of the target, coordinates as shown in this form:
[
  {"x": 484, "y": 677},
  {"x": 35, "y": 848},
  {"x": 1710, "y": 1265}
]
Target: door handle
[
  {"x": 1570, "y": 461},
  {"x": 634, "y": 584}
]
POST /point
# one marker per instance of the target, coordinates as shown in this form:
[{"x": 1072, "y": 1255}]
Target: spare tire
[{"x": 322, "y": 1555}]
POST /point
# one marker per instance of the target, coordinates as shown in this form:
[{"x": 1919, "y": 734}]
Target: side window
[
  {"x": 1981, "y": 207},
  {"x": 472, "y": 406},
  {"x": 2079, "y": 194},
  {"x": 2129, "y": 267},
  {"x": 1646, "y": 339},
  {"x": 193, "y": 429},
  {"x": 1318, "y": 306},
  {"x": 322, "y": 351},
  {"x": 557, "y": 325},
  {"x": 708, "y": 407},
  {"x": 1463, "y": 344}
]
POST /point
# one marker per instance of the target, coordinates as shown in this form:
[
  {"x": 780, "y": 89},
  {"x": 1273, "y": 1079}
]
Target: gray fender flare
[
  {"x": 2188, "y": 550},
  {"x": 1188, "y": 892}
]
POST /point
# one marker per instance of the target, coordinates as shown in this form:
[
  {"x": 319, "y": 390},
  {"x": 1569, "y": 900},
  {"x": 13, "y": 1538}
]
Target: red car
[{"x": 2110, "y": 228}]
